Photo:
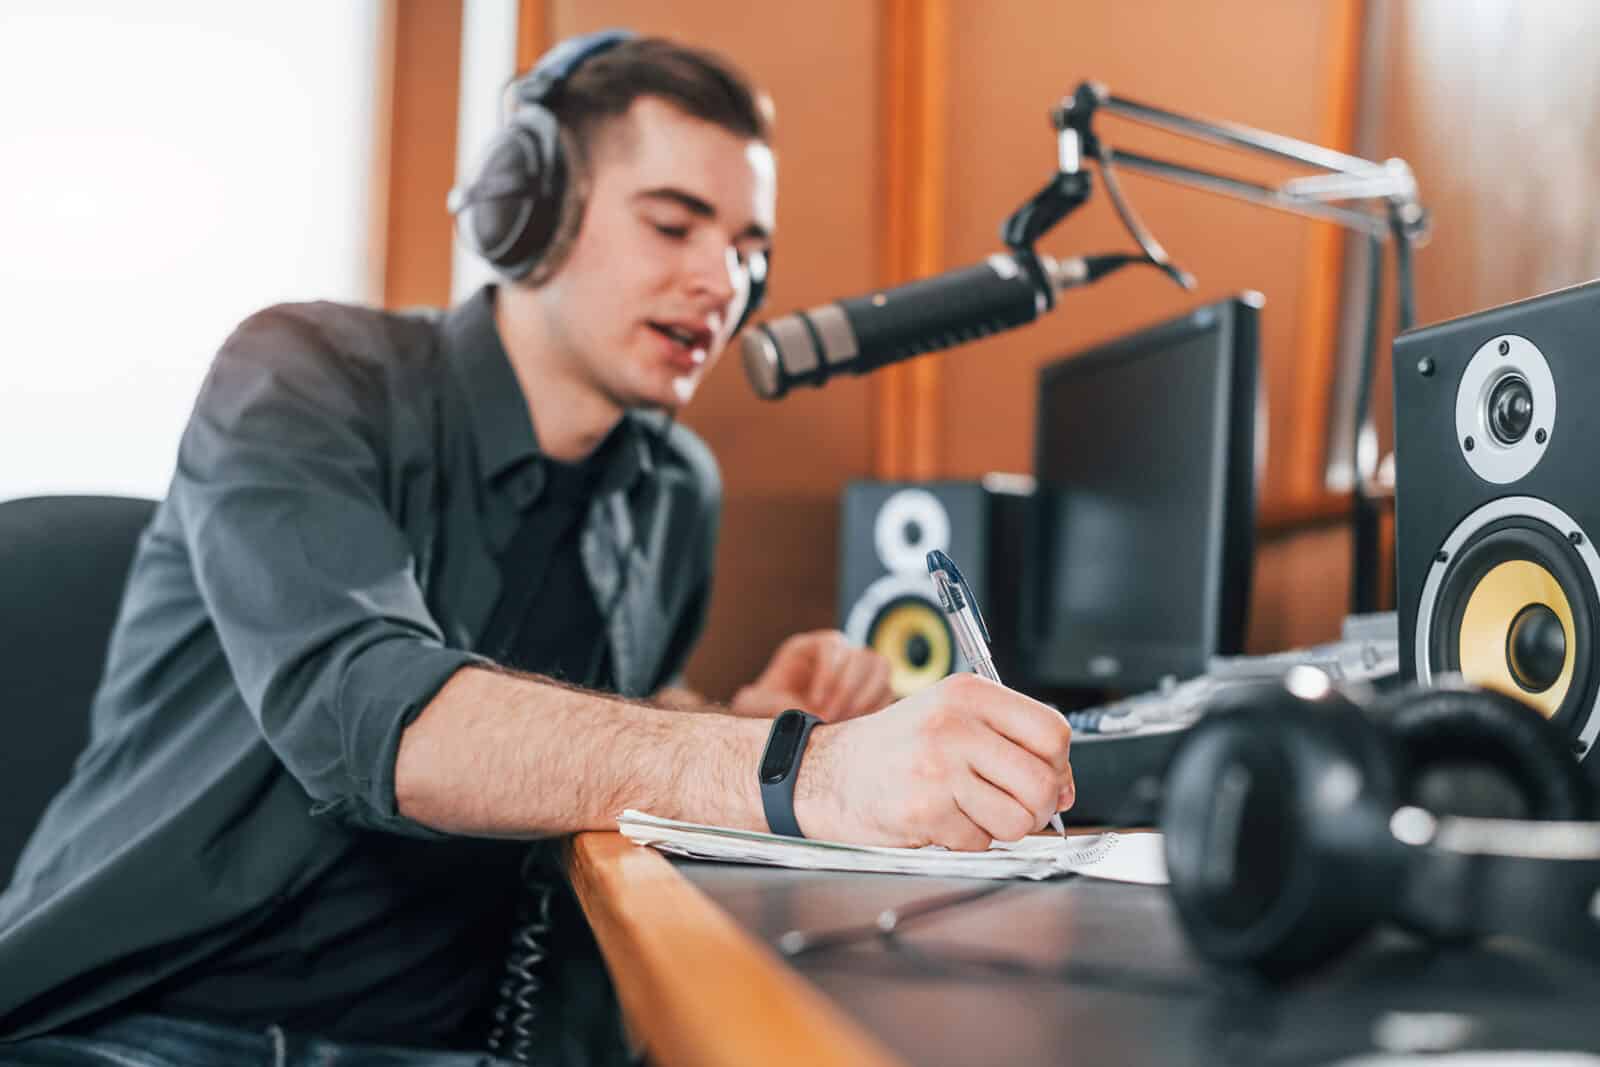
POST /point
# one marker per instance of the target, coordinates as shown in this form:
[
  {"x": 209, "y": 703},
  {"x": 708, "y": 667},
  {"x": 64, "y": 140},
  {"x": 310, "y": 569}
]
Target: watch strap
[{"x": 777, "y": 791}]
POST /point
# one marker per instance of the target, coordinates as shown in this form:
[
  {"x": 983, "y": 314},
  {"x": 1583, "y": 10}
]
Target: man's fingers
[
  {"x": 994, "y": 811},
  {"x": 855, "y": 690},
  {"x": 844, "y": 673},
  {"x": 1030, "y": 782},
  {"x": 875, "y": 693},
  {"x": 961, "y": 832},
  {"x": 1037, "y": 727},
  {"x": 756, "y": 701},
  {"x": 830, "y": 650},
  {"x": 794, "y": 666}
]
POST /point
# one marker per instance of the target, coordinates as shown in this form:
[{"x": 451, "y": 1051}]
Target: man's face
[{"x": 657, "y": 278}]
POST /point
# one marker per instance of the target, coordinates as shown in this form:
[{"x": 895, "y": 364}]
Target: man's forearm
[
  {"x": 503, "y": 755},
  {"x": 682, "y": 698},
  {"x": 749, "y": 702}
]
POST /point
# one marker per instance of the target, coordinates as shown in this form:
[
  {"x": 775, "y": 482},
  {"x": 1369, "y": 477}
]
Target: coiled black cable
[{"x": 518, "y": 995}]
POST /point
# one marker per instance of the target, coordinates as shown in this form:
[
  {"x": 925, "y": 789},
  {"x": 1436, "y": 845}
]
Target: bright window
[{"x": 169, "y": 167}]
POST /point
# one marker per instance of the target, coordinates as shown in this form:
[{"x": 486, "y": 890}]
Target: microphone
[{"x": 863, "y": 333}]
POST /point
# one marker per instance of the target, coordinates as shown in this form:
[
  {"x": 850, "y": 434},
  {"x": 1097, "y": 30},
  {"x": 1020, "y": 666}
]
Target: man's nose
[{"x": 718, "y": 275}]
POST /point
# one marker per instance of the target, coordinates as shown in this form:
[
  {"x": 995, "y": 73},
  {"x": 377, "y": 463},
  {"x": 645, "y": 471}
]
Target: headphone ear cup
[
  {"x": 511, "y": 211},
  {"x": 517, "y": 208},
  {"x": 1275, "y": 821},
  {"x": 1482, "y": 753}
]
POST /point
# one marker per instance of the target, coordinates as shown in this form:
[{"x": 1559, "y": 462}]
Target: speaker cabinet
[
  {"x": 886, "y": 600},
  {"x": 1496, "y": 504}
]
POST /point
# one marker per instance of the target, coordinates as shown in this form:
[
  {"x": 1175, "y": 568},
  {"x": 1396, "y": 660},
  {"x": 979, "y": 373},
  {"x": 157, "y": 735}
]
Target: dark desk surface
[{"x": 1071, "y": 972}]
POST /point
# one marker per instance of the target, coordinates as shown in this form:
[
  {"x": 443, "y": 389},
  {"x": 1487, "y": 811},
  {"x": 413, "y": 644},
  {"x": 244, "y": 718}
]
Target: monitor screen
[{"x": 1141, "y": 540}]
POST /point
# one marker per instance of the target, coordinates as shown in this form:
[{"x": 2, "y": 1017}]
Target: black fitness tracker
[{"x": 780, "y": 766}]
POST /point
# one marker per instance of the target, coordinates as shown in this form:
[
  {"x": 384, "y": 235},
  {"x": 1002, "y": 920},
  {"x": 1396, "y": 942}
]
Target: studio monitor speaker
[
  {"x": 1497, "y": 451},
  {"x": 886, "y": 600}
]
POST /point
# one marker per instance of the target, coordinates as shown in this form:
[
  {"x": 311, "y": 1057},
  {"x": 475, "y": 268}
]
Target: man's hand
[
  {"x": 820, "y": 672},
  {"x": 958, "y": 764}
]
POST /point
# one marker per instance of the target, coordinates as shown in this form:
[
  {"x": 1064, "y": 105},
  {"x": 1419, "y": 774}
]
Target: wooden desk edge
[{"x": 696, "y": 988}]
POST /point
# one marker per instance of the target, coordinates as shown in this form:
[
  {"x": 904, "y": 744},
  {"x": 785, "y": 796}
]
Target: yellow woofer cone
[
  {"x": 1517, "y": 635},
  {"x": 916, "y": 640}
]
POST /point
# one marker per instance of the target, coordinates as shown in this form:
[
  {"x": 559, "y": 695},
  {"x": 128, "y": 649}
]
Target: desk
[{"x": 1068, "y": 972}]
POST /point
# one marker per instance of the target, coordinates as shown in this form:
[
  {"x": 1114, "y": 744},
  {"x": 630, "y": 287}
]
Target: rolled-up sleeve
[{"x": 307, "y": 577}]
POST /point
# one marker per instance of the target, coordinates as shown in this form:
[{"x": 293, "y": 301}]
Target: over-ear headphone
[
  {"x": 514, "y": 211},
  {"x": 1297, "y": 817}
]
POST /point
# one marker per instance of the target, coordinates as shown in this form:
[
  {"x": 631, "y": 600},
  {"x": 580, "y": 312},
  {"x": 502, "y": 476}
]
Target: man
[{"x": 287, "y": 837}]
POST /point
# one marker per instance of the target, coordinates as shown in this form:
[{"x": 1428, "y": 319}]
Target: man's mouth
[{"x": 690, "y": 338}]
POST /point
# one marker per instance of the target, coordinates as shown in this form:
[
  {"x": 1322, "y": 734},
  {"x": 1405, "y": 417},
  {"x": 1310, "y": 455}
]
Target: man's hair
[{"x": 698, "y": 82}]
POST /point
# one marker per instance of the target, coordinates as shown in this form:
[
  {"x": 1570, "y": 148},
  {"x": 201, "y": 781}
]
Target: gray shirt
[{"x": 324, "y": 560}]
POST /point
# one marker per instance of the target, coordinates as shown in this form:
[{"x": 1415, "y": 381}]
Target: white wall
[
  {"x": 166, "y": 168},
  {"x": 488, "y": 63}
]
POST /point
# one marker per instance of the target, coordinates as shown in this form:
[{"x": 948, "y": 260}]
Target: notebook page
[{"x": 1123, "y": 857}]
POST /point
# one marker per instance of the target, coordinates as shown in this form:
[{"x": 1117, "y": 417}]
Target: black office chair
[{"x": 63, "y": 564}]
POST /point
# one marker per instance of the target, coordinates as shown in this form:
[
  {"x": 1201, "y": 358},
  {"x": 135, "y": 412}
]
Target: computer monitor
[{"x": 1143, "y": 532}]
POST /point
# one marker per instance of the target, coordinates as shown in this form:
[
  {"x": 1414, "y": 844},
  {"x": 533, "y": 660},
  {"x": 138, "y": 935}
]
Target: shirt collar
[
  {"x": 498, "y": 411},
  {"x": 501, "y": 426},
  {"x": 634, "y": 457}
]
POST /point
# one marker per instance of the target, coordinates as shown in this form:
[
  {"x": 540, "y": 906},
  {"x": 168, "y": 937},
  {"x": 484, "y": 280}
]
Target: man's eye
[{"x": 677, "y": 233}]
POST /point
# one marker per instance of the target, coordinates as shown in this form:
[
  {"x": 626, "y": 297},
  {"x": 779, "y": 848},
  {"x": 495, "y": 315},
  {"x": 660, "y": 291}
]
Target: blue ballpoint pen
[{"x": 972, "y": 636}]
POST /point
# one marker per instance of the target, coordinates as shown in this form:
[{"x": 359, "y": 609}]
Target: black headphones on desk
[
  {"x": 1297, "y": 817},
  {"x": 523, "y": 205}
]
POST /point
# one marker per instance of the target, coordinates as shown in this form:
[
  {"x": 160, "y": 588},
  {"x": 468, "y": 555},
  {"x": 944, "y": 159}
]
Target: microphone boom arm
[
  {"x": 1279, "y": 197},
  {"x": 1389, "y": 188},
  {"x": 1389, "y": 185}
]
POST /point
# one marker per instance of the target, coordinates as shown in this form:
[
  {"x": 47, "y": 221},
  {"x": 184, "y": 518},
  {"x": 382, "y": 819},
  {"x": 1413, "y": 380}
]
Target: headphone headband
[{"x": 551, "y": 72}]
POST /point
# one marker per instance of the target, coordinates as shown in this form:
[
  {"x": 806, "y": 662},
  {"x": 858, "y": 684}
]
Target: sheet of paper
[{"x": 1121, "y": 857}]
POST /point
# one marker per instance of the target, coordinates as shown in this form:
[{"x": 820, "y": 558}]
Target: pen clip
[
  {"x": 949, "y": 595},
  {"x": 954, "y": 592}
]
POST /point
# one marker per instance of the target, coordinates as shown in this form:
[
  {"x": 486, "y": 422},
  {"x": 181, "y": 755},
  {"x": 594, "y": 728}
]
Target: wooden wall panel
[
  {"x": 424, "y": 76},
  {"x": 913, "y": 110},
  {"x": 783, "y": 464},
  {"x": 1497, "y": 109},
  {"x": 1298, "y": 595},
  {"x": 1266, "y": 65},
  {"x": 1317, "y": 342}
]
